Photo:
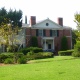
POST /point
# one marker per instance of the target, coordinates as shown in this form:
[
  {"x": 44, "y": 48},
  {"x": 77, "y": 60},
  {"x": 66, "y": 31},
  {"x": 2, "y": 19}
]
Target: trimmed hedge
[
  {"x": 4, "y": 56},
  {"x": 8, "y": 61},
  {"x": 40, "y": 55},
  {"x": 34, "y": 49},
  {"x": 65, "y": 53}
]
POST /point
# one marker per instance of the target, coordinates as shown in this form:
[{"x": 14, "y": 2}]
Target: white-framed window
[
  {"x": 40, "y": 32},
  {"x": 54, "y": 32}
]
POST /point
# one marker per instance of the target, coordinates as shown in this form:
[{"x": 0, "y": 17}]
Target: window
[
  {"x": 53, "y": 33},
  {"x": 47, "y": 24},
  {"x": 40, "y": 32}
]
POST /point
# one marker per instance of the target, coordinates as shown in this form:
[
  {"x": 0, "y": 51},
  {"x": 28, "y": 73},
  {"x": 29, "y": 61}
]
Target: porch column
[
  {"x": 45, "y": 43},
  {"x": 53, "y": 44}
]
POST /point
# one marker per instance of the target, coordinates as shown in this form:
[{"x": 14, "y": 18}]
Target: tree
[
  {"x": 8, "y": 38},
  {"x": 34, "y": 41},
  {"x": 76, "y": 52},
  {"x": 77, "y": 20},
  {"x": 64, "y": 43},
  {"x": 74, "y": 37},
  {"x": 15, "y": 17}
]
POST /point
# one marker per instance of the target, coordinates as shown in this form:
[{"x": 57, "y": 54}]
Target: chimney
[
  {"x": 25, "y": 19},
  {"x": 33, "y": 20},
  {"x": 60, "y": 21}
]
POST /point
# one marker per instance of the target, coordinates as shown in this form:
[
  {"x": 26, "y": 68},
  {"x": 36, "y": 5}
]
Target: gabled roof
[{"x": 42, "y": 25}]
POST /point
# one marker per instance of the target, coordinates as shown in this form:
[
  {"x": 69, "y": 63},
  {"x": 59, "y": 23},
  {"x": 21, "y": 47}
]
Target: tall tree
[
  {"x": 8, "y": 37},
  {"x": 77, "y": 20},
  {"x": 15, "y": 17}
]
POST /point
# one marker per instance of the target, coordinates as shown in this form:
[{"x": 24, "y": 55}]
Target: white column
[
  {"x": 53, "y": 44},
  {"x": 45, "y": 44}
]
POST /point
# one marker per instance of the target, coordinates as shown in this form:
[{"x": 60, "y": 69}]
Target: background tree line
[{"x": 13, "y": 17}]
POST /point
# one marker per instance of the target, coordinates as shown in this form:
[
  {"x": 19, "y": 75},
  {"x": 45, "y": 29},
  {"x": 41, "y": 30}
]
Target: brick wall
[{"x": 47, "y": 33}]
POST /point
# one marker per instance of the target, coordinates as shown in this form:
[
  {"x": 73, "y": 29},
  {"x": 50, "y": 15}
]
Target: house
[{"x": 48, "y": 33}]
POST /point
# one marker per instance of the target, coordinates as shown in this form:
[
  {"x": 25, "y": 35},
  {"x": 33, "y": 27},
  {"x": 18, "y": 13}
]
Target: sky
[{"x": 44, "y": 9}]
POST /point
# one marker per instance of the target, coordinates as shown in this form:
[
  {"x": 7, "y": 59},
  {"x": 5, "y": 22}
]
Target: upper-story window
[
  {"x": 40, "y": 32},
  {"x": 53, "y": 33},
  {"x": 47, "y": 24}
]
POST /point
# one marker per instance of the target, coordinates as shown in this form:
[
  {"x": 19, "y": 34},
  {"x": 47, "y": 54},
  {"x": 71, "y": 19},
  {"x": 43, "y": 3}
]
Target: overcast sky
[{"x": 43, "y": 9}]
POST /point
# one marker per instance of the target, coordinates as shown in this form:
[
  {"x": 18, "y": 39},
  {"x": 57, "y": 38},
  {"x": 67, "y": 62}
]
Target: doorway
[{"x": 49, "y": 46}]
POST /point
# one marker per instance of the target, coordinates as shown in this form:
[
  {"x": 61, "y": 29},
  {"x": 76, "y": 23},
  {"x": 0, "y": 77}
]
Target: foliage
[
  {"x": 65, "y": 53},
  {"x": 9, "y": 61},
  {"x": 34, "y": 41},
  {"x": 76, "y": 52},
  {"x": 4, "y": 56},
  {"x": 8, "y": 35},
  {"x": 77, "y": 20},
  {"x": 74, "y": 37},
  {"x": 22, "y": 60},
  {"x": 10, "y": 48},
  {"x": 39, "y": 55},
  {"x": 34, "y": 49},
  {"x": 64, "y": 43},
  {"x": 12, "y": 16}
]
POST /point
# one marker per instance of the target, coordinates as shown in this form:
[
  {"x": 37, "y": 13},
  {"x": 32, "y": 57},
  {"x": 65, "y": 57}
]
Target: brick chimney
[
  {"x": 32, "y": 20},
  {"x": 60, "y": 21}
]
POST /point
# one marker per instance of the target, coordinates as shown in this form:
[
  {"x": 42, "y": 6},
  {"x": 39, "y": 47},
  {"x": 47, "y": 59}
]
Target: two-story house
[{"x": 48, "y": 33}]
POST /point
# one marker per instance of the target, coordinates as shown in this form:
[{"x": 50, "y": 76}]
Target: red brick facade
[
  {"x": 57, "y": 40},
  {"x": 54, "y": 40}
]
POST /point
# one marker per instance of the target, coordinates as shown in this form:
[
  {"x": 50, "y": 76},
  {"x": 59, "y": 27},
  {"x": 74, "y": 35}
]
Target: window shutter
[
  {"x": 44, "y": 33},
  {"x": 36, "y": 32},
  {"x": 57, "y": 33},
  {"x": 50, "y": 32}
]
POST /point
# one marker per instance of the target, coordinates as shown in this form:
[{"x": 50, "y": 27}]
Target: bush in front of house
[
  {"x": 76, "y": 52},
  {"x": 9, "y": 61},
  {"x": 34, "y": 49},
  {"x": 65, "y": 53},
  {"x": 34, "y": 41},
  {"x": 12, "y": 48},
  {"x": 22, "y": 60},
  {"x": 4, "y": 56},
  {"x": 64, "y": 43},
  {"x": 39, "y": 55}
]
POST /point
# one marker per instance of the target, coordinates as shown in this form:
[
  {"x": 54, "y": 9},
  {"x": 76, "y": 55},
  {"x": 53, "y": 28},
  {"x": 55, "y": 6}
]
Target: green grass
[{"x": 57, "y": 68}]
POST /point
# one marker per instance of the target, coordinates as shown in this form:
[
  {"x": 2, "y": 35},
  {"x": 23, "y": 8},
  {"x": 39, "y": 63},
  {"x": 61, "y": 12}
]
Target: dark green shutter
[
  {"x": 57, "y": 33},
  {"x": 44, "y": 33},
  {"x": 51, "y": 33},
  {"x": 36, "y": 32}
]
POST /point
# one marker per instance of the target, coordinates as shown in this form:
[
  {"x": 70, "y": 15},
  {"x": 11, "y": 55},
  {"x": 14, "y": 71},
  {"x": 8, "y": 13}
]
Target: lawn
[{"x": 57, "y": 68}]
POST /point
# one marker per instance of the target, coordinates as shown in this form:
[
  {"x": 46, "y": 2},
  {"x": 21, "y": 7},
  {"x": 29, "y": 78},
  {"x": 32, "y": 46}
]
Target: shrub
[
  {"x": 34, "y": 49},
  {"x": 65, "y": 53},
  {"x": 39, "y": 55},
  {"x": 4, "y": 56},
  {"x": 76, "y": 52},
  {"x": 34, "y": 41},
  {"x": 22, "y": 60},
  {"x": 64, "y": 43},
  {"x": 12, "y": 48},
  {"x": 8, "y": 61}
]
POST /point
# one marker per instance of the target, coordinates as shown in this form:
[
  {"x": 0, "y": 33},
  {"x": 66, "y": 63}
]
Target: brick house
[{"x": 48, "y": 33}]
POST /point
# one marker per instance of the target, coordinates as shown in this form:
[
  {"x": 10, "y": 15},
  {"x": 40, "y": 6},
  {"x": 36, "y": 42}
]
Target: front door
[{"x": 49, "y": 46}]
